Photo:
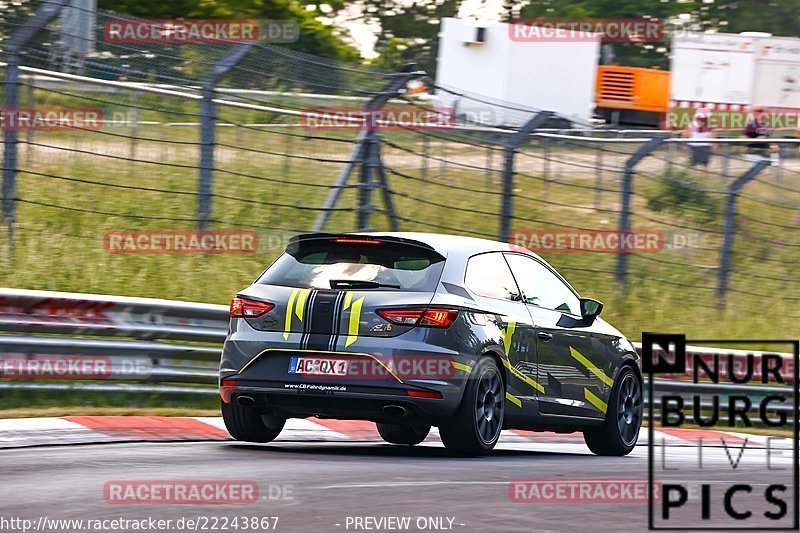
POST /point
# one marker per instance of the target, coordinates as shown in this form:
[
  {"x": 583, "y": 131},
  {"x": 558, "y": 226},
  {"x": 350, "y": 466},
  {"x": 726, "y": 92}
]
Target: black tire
[
  {"x": 403, "y": 434},
  {"x": 620, "y": 431},
  {"x": 248, "y": 424},
  {"x": 475, "y": 428}
]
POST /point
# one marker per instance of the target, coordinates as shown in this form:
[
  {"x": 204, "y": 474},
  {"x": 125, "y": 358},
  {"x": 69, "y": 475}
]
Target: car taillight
[
  {"x": 420, "y": 316},
  {"x": 244, "y": 308}
]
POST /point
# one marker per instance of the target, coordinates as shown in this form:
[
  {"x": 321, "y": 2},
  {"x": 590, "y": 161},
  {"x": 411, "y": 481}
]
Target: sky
[{"x": 356, "y": 27}]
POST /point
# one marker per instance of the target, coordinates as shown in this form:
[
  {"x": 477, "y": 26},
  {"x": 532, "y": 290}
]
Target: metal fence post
[
  {"x": 208, "y": 120},
  {"x": 726, "y": 154},
  {"x": 387, "y": 192},
  {"x": 598, "y": 178},
  {"x": 627, "y": 192},
  {"x": 365, "y": 185},
  {"x": 134, "y": 125},
  {"x": 489, "y": 165},
  {"x": 509, "y": 150},
  {"x": 730, "y": 227},
  {"x": 12, "y": 49},
  {"x": 31, "y": 102},
  {"x": 425, "y": 155},
  {"x": 363, "y": 140}
]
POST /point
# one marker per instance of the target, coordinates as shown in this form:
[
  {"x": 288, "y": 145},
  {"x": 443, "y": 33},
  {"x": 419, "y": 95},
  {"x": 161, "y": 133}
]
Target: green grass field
[{"x": 72, "y": 184}]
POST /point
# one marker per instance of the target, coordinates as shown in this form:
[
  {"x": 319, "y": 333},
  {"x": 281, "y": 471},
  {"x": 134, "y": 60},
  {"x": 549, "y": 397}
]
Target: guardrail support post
[
  {"x": 360, "y": 153},
  {"x": 208, "y": 120},
  {"x": 627, "y": 192},
  {"x": 509, "y": 150},
  {"x": 730, "y": 227},
  {"x": 12, "y": 50}
]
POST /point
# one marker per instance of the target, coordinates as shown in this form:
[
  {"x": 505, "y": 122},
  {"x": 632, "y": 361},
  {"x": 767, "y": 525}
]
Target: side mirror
[{"x": 590, "y": 310}]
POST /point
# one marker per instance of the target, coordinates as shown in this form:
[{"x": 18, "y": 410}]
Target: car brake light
[
  {"x": 355, "y": 240},
  {"x": 244, "y": 308},
  {"x": 436, "y": 395},
  {"x": 420, "y": 316}
]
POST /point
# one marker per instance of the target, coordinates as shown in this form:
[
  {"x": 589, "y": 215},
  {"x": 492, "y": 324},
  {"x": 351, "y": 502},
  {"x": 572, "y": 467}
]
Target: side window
[
  {"x": 541, "y": 287},
  {"x": 488, "y": 275}
]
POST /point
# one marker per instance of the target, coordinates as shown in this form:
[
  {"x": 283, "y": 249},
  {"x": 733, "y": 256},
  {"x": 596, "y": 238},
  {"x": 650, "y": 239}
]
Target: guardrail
[
  {"x": 138, "y": 345},
  {"x": 133, "y": 344}
]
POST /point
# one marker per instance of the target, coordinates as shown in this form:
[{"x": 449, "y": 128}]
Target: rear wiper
[{"x": 359, "y": 284}]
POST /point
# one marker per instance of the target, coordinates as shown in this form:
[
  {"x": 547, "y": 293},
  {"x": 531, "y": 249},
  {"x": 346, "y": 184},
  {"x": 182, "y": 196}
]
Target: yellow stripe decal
[
  {"x": 288, "y": 325},
  {"x": 594, "y": 400},
  {"x": 591, "y": 366},
  {"x": 513, "y": 399},
  {"x": 355, "y": 317},
  {"x": 348, "y": 297},
  {"x": 301, "y": 303},
  {"x": 461, "y": 366},
  {"x": 507, "y": 334},
  {"x": 522, "y": 376}
]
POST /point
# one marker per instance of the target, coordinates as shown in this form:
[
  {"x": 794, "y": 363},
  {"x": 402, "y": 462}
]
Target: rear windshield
[{"x": 374, "y": 265}]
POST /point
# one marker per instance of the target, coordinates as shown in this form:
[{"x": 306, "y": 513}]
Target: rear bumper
[
  {"x": 381, "y": 371},
  {"x": 291, "y": 403}
]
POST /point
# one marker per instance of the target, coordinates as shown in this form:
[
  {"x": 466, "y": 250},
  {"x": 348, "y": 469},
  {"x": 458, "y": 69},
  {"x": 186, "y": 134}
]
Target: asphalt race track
[{"x": 324, "y": 486}]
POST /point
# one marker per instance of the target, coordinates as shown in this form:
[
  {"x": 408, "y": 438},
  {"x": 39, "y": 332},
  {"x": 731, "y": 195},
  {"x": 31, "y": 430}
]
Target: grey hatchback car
[{"x": 415, "y": 330}]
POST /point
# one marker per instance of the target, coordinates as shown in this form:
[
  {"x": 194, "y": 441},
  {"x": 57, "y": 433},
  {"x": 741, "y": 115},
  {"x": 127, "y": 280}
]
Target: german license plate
[{"x": 318, "y": 366}]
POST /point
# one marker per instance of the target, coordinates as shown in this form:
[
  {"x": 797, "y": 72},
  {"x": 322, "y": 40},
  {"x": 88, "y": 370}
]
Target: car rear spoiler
[{"x": 355, "y": 238}]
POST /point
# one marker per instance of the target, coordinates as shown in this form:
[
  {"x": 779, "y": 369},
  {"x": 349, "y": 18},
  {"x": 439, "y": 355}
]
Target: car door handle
[{"x": 545, "y": 336}]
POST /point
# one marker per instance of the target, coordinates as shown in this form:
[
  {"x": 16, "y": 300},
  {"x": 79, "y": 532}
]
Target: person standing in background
[
  {"x": 757, "y": 127},
  {"x": 699, "y": 129}
]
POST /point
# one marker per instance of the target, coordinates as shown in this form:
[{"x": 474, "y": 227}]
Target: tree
[{"x": 315, "y": 37}]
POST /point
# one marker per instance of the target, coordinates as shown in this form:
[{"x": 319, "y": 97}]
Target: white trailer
[
  {"x": 778, "y": 74},
  {"x": 484, "y": 62},
  {"x": 735, "y": 71}
]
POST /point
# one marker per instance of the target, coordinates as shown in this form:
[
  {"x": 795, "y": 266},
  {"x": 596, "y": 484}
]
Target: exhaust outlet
[
  {"x": 245, "y": 400},
  {"x": 395, "y": 410}
]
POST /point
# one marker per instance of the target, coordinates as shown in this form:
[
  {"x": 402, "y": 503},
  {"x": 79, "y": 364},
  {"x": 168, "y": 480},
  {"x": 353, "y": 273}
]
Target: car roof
[{"x": 450, "y": 245}]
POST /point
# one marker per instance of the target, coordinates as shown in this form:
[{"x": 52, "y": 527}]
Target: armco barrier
[
  {"x": 136, "y": 343},
  {"x": 23, "y": 311}
]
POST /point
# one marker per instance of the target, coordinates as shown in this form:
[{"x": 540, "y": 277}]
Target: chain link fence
[{"x": 215, "y": 136}]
